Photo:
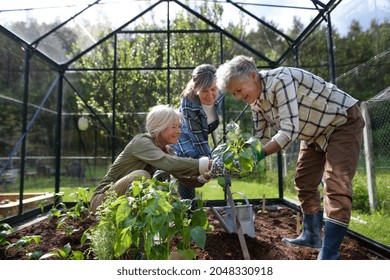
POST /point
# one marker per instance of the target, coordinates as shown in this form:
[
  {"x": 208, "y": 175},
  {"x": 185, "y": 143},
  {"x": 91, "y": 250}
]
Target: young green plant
[
  {"x": 142, "y": 223},
  {"x": 239, "y": 153}
]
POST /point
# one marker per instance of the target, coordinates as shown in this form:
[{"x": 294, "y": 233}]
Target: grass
[
  {"x": 251, "y": 189},
  {"x": 375, "y": 226},
  {"x": 46, "y": 185}
]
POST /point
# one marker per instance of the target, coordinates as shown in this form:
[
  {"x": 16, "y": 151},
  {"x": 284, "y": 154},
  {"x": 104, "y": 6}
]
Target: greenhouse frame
[{"x": 60, "y": 134}]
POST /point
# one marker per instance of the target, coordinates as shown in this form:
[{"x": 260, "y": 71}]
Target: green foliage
[
  {"x": 241, "y": 148},
  {"x": 78, "y": 212},
  {"x": 372, "y": 225},
  {"x": 141, "y": 224},
  {"x": 137, "y": 89},
  {"x": 101, "y": 237},
  {"x": 131, "y": 87},
  {"x": 25, "y": 242},
  {"x": 360, "y": 202},
  {"x": 60, "y": 211},
  {"x": 64, "y": 254},
  {"x": 360, "y": 195},
  {"x": 82, "y": 203},
  {"x": 5, "y": 230}
]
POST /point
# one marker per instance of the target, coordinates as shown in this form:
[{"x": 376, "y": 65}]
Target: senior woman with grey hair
[
  {"x": 327, "y": 120},
  {"x": 148, "y": 152}
]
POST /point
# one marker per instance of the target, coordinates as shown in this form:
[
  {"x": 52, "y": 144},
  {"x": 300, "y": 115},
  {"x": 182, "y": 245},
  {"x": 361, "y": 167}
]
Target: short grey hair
[
  {"x": 202, "y": 77},
  {"x": 238, "y": 68},
  {"x": 159, "y": 118}
]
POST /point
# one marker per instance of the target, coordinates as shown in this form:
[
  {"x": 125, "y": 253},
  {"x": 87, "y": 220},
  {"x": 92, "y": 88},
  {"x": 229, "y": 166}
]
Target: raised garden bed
[
  {"x": 270, "y": 227},
  {"x": 9, "y": 202}
]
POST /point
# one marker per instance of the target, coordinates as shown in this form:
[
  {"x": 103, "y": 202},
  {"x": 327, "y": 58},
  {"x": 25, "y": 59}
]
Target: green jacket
[{"x": 142, "y": 154}]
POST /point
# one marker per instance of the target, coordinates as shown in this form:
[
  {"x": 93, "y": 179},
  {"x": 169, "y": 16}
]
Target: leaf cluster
[
  {"x": 25, "y": 242},
  {"x": 5, "y": 230},
  {"x": 238, "y": 154},
  {"x": 142, "y": 223},
  {"x": 64, "y": 254},
  {"x": 77, "y": 212}
]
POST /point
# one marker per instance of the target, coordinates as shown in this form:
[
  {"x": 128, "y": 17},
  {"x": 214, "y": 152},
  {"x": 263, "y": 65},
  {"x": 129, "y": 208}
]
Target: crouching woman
[{"x": 148, "y": 152}]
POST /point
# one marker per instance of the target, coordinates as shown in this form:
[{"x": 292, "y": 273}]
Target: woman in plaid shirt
[
  {"x": 200, "y": 105},
  {"x": 301, "y": 105}
]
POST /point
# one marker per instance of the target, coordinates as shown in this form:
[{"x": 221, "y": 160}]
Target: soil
[{"x": 270, "y": 227}]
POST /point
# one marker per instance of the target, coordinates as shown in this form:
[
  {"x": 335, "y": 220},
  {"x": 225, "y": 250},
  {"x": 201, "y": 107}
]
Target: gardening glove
[
  {"x": 233, "y": 173},
  {"x": 260, "y": 155},
  {"x": 219, "y": 170},
  {"x": 216, "y": 168}
]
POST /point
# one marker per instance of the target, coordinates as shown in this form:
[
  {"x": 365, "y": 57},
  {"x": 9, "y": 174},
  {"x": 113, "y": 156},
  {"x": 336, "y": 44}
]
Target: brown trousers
[
  {"x": 121, "y": 186},
  {"x": 337, "y": 166}
]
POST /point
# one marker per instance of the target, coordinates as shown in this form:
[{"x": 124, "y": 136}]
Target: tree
[{"x": 142, "y": 59}]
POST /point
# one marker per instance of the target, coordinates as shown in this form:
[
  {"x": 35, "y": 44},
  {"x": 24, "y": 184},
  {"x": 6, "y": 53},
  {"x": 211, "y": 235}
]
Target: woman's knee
[
  {"x": 96, "y": 200},
  {"x": 123, "y": 185},
  {"x": 140, "y": 173}
]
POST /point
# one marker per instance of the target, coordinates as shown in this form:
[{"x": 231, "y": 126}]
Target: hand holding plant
[{"x": 237, "y": 158}]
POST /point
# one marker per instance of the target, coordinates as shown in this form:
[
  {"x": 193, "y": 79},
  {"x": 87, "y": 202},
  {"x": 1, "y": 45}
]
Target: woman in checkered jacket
[{"x": 200, "y": 105}]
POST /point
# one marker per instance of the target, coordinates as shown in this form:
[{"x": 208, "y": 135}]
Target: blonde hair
[{"x": 159, "y": 118}]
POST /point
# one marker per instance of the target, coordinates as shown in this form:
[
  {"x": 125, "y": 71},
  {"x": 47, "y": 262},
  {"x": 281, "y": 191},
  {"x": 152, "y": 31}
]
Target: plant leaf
[
  {"x": 185, "y": 254},
  {"x": 199, "y": 236},
  {"x": 77, "y": 255},
  {"x": 122, "y": 242},
  {"x": 62, "y": 254},
  {"x": 48, "y": 255},
  {"x": 67, "y": 248},
  {"x": 157, "y": 222},
  {"x": 159, "y": 251},
  {"x": 199, "y": 218},
  {"x": 228, "y": 158}
]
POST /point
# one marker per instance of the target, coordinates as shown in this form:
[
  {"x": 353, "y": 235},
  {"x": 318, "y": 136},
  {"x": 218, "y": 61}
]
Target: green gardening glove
[{"x": 260, "y": 155}]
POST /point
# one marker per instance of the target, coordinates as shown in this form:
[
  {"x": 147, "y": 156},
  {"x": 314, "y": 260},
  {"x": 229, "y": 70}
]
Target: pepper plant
[
  {"x": 239, "y": 153},
  {"x": 142, "y": 223},
  {"x": 64, "y": 254},
  {"x": 5, "y": 230},
  {"x": 25, "y": 242}
]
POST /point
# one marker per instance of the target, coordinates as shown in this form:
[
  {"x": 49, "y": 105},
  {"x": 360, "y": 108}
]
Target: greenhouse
[{"x": 78, "y": 78}]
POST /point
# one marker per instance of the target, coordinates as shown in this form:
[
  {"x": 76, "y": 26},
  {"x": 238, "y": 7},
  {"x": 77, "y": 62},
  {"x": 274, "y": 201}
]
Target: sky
[
  {"x": 364, "y": 10},
  {"x": 341, "y": 17}
]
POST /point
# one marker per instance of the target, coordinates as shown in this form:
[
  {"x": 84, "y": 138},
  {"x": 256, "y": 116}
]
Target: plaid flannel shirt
[
  {"x": 193, "y": 141},
  {"x": 300, "y": 105}
]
